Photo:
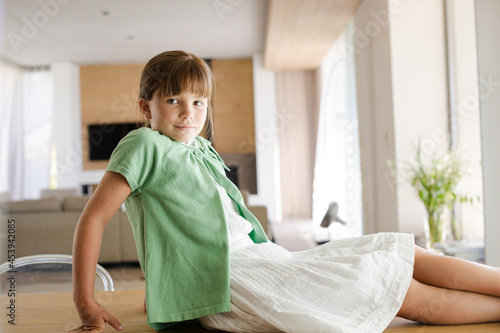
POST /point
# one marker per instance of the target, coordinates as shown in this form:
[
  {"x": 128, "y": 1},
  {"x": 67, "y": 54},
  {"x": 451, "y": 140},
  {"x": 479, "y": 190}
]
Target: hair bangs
[{"x": 187, "y": 75}]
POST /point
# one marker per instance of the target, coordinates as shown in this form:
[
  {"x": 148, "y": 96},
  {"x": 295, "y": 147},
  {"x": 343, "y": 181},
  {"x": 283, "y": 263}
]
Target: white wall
[
  {"x": 402, "y": 95},
  {"x": 375, "y": 106},
  {"x": 267, "y": 140},
  {"x": 463, "y": 45},
  {"x": 488, "y": 34},
  {"x": 420, "y": 94},
  {"x": 67, "y": 124},
  {"x": 68, "y": 128}
]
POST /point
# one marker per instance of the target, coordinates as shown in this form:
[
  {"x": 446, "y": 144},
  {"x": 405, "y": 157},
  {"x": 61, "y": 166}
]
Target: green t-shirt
[{"x": 178, "y": 222}]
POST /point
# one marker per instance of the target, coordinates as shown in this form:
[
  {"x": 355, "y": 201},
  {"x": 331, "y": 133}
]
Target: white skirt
[{"x": 351, "y": 285}]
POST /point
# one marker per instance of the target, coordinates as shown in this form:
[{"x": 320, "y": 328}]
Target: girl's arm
[{"x": 102, "y": 206}]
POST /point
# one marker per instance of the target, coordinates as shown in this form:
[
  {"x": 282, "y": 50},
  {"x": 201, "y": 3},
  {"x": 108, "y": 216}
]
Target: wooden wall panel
[
  {"x": 234, "y": 110},
  {"x": 108, "y": 95}
]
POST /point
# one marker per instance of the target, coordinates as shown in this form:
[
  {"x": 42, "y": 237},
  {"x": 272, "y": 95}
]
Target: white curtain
[
  {"x": 337, "y": 175},
  {"x": 295, "y": 100},
  {"x": 26, "y": 110}
]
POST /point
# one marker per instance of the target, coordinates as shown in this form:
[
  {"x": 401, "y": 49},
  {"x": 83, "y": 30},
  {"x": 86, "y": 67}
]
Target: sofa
[{"x": 47, "y": 225}]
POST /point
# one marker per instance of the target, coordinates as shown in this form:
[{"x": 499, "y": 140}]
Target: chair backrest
[{"x": 38, "y": 271}]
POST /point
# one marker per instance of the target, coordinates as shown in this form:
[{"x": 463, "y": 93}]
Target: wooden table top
[{"x": 55, "y": 313}]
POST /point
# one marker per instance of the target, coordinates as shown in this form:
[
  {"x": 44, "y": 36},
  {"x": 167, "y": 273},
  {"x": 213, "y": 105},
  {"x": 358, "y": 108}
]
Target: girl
[{"x": 204, "y": 255}]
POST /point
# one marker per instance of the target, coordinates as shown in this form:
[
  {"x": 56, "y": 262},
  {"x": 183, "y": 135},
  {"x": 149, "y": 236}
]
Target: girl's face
[{"x": 180, "y": 117}]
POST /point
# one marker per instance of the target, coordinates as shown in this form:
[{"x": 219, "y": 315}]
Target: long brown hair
[{"x": 172, "y": 72}]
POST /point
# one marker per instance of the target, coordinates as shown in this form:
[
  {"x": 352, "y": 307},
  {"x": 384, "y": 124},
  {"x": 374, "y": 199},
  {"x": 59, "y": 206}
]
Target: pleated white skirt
[{"x": 351, "y": 285}]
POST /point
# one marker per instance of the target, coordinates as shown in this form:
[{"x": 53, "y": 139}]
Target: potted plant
[{"x": 437, "y": 185}]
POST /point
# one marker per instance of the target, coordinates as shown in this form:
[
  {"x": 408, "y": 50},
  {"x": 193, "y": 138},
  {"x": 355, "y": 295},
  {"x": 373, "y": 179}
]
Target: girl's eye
[
  {"x": 172, "y": 101},
  {"x": 198, "y": 103}
]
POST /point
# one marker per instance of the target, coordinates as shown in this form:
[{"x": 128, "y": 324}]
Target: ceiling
[
  {"x": 129, "y": 31},
  {"x": 300, "y": 32}
]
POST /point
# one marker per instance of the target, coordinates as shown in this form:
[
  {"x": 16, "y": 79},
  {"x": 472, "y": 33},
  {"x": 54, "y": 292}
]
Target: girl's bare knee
[{"x": 413, "y": 307}]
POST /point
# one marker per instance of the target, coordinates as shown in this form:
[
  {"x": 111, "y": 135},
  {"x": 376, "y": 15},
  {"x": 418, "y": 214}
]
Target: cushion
[
  {"x": 4, "y": 197},
  {"x": 75, "y": 203},
  {"x": 59, "y": 193},
  {"x": 28, "y": 206}
]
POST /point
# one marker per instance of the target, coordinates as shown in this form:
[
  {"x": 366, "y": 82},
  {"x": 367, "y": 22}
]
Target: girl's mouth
[{"x": 184, "y": 127}]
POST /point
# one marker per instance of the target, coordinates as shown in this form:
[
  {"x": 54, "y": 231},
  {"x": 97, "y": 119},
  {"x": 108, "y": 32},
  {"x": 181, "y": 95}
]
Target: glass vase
[{"x": 435, "y": 233}]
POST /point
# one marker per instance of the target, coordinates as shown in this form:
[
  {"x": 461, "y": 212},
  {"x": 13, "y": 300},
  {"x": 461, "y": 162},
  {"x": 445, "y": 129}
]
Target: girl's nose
[{"x": 186, "y": 113}]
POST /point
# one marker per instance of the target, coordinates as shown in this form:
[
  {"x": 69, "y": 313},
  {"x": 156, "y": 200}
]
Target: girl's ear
[{"x": 145, "y": 108}]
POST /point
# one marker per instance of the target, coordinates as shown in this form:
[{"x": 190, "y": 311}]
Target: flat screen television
[{"x": 103, "y": 138}]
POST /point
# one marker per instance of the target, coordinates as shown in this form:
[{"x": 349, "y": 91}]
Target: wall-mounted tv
[{"x": 103, "y": 138}]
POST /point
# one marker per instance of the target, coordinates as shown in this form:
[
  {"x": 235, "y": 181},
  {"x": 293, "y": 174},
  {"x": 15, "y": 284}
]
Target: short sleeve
[{"x": 136, "y": 158}]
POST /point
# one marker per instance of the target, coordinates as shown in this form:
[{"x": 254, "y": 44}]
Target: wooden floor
[{"x": 55, "y": 312}]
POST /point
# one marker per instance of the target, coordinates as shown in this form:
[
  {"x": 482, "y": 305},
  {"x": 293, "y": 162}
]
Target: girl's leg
[
  {"x": 434, "y": 305},
  {"x": 454, "y": 273}
]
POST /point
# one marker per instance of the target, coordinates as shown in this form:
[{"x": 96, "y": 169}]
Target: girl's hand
[{"x": 94, "y": 318}]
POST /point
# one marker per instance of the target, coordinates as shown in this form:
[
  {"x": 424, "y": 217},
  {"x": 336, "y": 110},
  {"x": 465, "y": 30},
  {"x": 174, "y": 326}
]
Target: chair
[{"x": 54, "y": 262}]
